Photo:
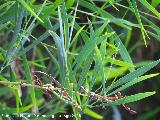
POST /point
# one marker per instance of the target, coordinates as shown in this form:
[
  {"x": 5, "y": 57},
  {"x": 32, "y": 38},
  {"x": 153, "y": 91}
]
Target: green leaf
[
  {"x": 10, "y": 110},
  {"x": 119, "y": 62},
  {"x": 53, "y": 59},
  {"x": 62, "y": 56},
  {"x": 17, "y": 30},
  {"x": 97, "y": 68},
  {"x": 64, "y": 24},
  {"x": 5, "y": 25},
  {"x": 104, "y": 13},
  {"x": 112, "y": 4},
  {"x": 6, "y": 4},
  {"x": 131, "y": 98},
  {"x": 93, "y": 114},
  {"x": 122, "y": 49},
  {"x": 135, "y": 81},
  {"x": 16, "y": 91},
  {"x": 63, "y": 41},
  {"x": 114, "y": 72},
  {"x": 69, "y": 3},
  {"x": 150, "y": 7},
  {"x": 149, "y": 115},
  {"x": 36, "y": 42},
  {"x": 152, "y": 25},
  {"x": 27, "y": 7},
  {"x": 85, "y": 70},
  {"x": 74, "y": 40},
  {"x": 133, "y": 5},
  {"x": 89, "y": 46},
  {"x": 29, "y": 78},
  {"x": 72, "y": 26},
  {"x": 36, "y": 64},
  {"x": 155, "y": 3},
  {"x": 134, "y": 74}
]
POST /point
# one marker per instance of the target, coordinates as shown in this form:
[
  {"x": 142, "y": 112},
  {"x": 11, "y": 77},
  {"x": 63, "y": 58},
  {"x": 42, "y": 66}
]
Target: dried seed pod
[
  {"x": 37, "y": 81},
  {"x": 129, "y": 109},
  {"x": 78, "y": 108},
  {"x": 64, "y": 93}
]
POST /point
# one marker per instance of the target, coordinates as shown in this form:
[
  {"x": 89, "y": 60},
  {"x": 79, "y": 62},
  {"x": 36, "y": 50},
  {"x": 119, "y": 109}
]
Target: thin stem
[
  {"x": 49, "y": 87},
  {"x": 28, "y": 85}
]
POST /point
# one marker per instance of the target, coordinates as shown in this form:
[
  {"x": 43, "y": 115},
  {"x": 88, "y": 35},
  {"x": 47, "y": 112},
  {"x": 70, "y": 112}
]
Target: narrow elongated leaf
[
  {"x": 76, "y": 35},
  {"x": 27, "y": 7},
  {"x": 135, "y": 74},
  {"x": 36, "y": 64},
  {"x": 122, "y": 49},
  {"x": 10, "y": 53},
  {"x": 61, "y": 55},
  {"x": 100, "y": 64},
  {"x": 72, "y": 26},
  {"x": 36, "y": 42},
  {"x": 155, "y": 3},
  {"x": 89, "y": 46},
  {"x": 16, "y": 92},
  {"x": 11, "y": 110},
  {"x": 119, "y": 62},
  {"x": 93, "y": 114},
  {"x": 53, "y": 59},
  {"x": 114, "y": 72},
  {"x": 131, "y": 98},
  {"x": 69, "y": 3},
  {"x": 133, "y": 5},
  {"x": 63, "y": 18},
  {"x": 29, "y": 78},
  {"x": 112, "y": 4},
  {"x": 85, "y": 69},
  {"x": 103, "y": 13},
  {"x": 149, "y": 115},
  {"x": 6, "y": 4},
  {"x": 83, "y": 33},
  {"x": 97, "y": 68},
  {"x": 150, "y": 7},
  {"x": 64, "y": 41},
  {"x": 135, "y": 81},
  {"x": 4, "y": 25},
  {"x": 154, "y": 26}
]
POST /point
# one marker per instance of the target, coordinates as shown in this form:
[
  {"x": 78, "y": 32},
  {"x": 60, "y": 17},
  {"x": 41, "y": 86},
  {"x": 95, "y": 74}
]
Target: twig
[
  {"x": 28, "y": 85},
  {"x": 62, "y": 93},
  {"x": 100, "y": 98},
  {"x": 64, "y": 97}
]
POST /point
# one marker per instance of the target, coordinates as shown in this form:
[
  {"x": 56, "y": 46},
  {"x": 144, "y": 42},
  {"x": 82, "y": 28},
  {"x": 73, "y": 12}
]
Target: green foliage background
[{"x": 107, "y": 46}]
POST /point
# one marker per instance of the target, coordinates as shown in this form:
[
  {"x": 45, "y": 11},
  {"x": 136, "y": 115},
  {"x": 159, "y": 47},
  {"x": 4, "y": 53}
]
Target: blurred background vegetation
[{"x": 30, "y": 31}]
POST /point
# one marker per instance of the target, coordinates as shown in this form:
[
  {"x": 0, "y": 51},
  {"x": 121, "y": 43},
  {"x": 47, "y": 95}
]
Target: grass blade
[
  {"x": 72, "y": 26},
  {"x": 27, "y": 7},
  {"x": 122, "y": 49},
  {"x": 93, "y": 114},
  {"x": 36, "y": 42},
  {"x": 135, "y": 74},
  {"x": 131, "y": 83},
  {"x": 150, "y": 7},
  {"x": 61, "y": 55},
  {"x": 17, "y": 30},
  {"x": 29, "y": 78},
  {"x": 133, "y": 5},
  {"x": 89, "y": 46},
  {"x": 131, "y": 98}
]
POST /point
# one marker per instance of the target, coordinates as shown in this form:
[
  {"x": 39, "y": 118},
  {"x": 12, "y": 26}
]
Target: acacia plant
[{"x": 58, "y": 55}]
